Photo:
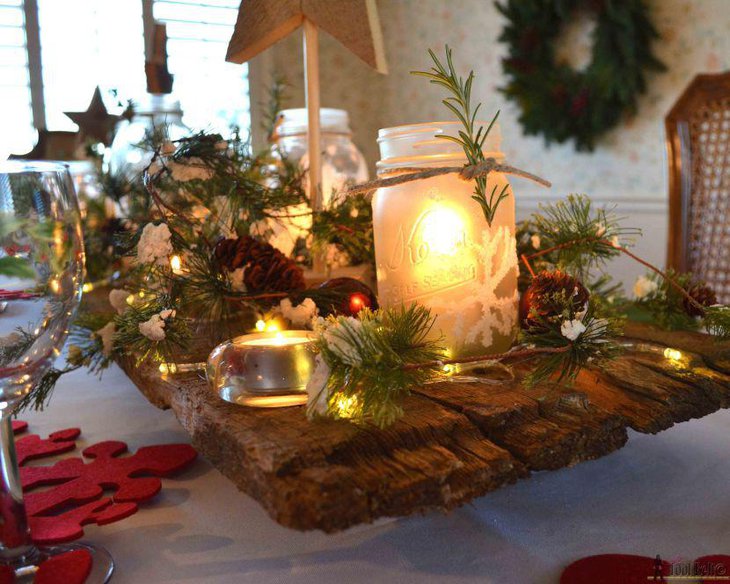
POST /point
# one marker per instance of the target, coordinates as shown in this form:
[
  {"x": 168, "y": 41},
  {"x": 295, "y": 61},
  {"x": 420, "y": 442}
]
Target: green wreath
[{"x": 558, "y": 101}]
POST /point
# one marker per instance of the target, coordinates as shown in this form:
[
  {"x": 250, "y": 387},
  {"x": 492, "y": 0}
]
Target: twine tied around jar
[{"x": 467, "y": 173}]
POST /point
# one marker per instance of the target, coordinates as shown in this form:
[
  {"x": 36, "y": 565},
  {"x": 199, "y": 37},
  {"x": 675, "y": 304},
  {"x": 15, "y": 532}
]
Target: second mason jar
[{"x": 433, "y": 244}]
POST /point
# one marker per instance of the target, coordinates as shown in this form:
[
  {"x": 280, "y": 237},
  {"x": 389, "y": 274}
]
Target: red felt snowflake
[{"x": 68, "y": 494}]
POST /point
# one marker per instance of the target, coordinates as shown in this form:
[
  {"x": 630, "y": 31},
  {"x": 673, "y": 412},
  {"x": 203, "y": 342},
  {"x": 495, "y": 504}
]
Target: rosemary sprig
[{"x": 472, "y": 137}]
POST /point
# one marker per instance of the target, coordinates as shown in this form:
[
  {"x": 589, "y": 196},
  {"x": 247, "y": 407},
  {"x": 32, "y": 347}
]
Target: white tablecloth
[{"x": 666, "y": 494}]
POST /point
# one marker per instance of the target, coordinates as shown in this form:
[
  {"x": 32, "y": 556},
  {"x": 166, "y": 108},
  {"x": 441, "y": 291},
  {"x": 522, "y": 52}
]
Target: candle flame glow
[{"x": 442, "y": 230}]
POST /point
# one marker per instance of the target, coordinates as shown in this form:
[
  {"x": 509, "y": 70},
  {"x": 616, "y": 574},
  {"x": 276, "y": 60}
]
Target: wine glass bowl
[
  {"x": 41, "y": 279},
  {"x": 41, "y": 271}
]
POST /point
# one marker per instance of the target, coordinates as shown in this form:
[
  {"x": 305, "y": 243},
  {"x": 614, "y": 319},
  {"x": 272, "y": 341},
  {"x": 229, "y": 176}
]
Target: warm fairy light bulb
[
  {"x": 86, "y": 288},
  {"x": 166, "y": 368},
  {"x": 130, "y": 299},
  {"x": 673, "y": 354},
  {"x": 346, "y": 406},
  {"x": 176, "y": 264},
  {"x": 260, "y": 325},
  {"x": 55, "y": 285}
]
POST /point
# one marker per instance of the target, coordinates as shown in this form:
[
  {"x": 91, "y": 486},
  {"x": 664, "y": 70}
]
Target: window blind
[
  {"x": 213, "y": 94},
  {"x": 17, "y": 134}
]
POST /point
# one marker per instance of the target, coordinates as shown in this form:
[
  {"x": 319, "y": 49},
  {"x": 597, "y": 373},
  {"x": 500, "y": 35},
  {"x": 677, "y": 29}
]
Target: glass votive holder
[{"x": 265, "y": 370}]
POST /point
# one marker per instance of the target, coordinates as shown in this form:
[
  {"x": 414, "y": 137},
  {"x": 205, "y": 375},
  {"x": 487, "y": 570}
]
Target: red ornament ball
[{"x": 349, "y": 297}]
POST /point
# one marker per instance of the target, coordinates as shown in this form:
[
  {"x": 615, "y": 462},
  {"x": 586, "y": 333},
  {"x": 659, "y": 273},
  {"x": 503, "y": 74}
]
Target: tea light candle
[{"x": 266, "y": 369}]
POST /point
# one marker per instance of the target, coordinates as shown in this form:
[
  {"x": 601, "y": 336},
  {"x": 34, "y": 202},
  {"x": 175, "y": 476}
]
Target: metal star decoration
[{"x": 96, "y": 122}]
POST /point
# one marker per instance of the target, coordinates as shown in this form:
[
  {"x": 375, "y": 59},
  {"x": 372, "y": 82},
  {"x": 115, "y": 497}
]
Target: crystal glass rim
[{"x": 20, "y": 166}]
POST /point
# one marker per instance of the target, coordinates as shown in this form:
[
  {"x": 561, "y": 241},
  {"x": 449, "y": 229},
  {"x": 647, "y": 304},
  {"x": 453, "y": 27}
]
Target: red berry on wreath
[{"x": 350, "y": 296}]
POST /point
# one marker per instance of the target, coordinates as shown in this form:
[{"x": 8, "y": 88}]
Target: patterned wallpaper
[{"x": 628, "y": 164}]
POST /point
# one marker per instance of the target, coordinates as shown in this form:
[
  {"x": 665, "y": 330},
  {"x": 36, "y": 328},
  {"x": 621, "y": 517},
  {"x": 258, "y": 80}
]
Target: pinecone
[
  {"x": 543, "y": 298},
  {"x": 266, "y": 268},
  {"x": 703, "y": 295}
]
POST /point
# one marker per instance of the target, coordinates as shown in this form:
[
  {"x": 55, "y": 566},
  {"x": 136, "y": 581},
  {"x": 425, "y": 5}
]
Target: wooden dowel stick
[{"x": 311, "y": 75}]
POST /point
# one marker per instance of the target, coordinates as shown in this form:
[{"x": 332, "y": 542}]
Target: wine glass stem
[{"x": 15, "y": 542}]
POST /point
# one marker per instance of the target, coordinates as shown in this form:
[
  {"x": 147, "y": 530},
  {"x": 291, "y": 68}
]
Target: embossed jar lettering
[{"x": 433, "y": 244}]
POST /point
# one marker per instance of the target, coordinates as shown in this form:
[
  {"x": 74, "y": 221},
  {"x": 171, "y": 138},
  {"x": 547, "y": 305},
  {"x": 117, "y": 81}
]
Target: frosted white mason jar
[{"x": 433, "y": 244}]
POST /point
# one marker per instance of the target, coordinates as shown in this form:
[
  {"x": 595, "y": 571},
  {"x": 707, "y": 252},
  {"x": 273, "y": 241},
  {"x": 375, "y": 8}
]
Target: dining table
[{"x": 665, "y": 494}]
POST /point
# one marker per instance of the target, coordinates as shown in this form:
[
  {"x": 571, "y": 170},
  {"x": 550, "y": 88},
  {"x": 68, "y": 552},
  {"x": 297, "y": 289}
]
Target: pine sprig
[
  {"x": 367, "y": 379},
  {"x": 717, "y": 321},
  {"x": 576, "y": 232},
  {"x": 367, "y": 366},
  {"x": 593, "y": 345},
  {"x": 277, "y": 96},
  {"x": 347, "y": 223},
  {"x": 85, "y": 349},
  {"x": 472, "y": 137}
]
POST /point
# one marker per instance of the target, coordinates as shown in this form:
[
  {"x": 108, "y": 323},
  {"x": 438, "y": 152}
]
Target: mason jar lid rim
[
  {"x": 422, "y": 144},
  {"x": 409, "y": 130},
  {"x": 295, "y": 121}
]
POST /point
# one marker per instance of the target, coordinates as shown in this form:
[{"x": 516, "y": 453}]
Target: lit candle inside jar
[
  {"x": 434, "y": 246},
  {"x": 279, "y": 340},
  {"x": 264, "y": 369}
]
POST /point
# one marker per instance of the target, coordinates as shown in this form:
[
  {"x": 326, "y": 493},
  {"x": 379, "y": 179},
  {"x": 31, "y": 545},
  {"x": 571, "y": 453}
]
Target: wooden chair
[{"x": 698, "y": 148}]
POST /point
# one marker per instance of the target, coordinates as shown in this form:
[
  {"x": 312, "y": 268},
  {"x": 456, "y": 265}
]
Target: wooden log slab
[{"x": 457, "y": 441}]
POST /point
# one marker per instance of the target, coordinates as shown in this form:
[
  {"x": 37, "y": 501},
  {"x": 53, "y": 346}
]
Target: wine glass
[{"x": 41, "y": 275}]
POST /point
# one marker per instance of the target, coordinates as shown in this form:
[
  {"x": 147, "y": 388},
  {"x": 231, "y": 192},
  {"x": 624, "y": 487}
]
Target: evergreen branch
[
  {"x": 572, "y": 230},
  {"x": 372, "y": 363},
  {"x": 347, "y": 223},
  {"x": 717, "y": 321},
  {"x": 592, "y": 345},
  {"x": 277, "y": 96},
  {"x": 84, "y": 350},
  {"x": 365, "y": 359}
]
